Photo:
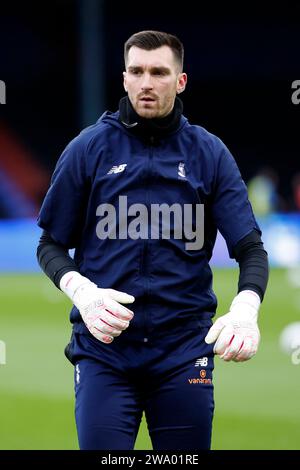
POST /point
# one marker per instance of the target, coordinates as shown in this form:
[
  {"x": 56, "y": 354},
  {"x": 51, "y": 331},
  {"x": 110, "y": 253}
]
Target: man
[{"x": 129, "y": 193}]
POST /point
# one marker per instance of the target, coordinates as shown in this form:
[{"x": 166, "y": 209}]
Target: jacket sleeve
[
  {"x": 231, "y": 209},
  {"x": 63, "y": 210}
]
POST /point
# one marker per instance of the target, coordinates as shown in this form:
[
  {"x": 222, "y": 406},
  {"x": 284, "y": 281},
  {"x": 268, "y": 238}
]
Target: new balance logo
[
  {"x": 201, "y": 362},
  {"x": 117, "y": 169}
]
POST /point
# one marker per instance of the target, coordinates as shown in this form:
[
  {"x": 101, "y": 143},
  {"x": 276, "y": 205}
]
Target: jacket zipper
[{"x": 146, "y": 243}]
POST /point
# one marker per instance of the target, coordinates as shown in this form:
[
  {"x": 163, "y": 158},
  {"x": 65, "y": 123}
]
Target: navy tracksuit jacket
[{"x": 172, "y": 285}]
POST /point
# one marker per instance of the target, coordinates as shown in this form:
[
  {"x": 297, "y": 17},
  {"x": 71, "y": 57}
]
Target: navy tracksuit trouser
[{"x": 168, "y": 377}]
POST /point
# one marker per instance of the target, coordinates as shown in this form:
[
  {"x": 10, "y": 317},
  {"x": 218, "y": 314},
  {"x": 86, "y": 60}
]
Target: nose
[{"x": 146, "y": 82}]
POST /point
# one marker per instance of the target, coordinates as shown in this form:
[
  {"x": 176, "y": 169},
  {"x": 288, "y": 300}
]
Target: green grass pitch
[{"x": 257, "y": 402}]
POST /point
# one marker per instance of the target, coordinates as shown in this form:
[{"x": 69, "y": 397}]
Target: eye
[{"x": 135, "y": 71}]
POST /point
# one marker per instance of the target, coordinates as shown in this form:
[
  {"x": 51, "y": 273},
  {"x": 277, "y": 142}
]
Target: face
[{"x": 152, "y": 80}]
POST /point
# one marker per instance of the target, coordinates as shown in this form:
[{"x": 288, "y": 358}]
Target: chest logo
[
  {"x": 181, "y": 170},
  {"x": 117, "y": 168}
]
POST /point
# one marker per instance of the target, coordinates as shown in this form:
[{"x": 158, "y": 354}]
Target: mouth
[{"x": 147, "y": 99}]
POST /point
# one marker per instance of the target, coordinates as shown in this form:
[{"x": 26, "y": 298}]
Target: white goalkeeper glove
[
  {"x": 236, "y": 333},
  {"x": 100, "y": 309}
]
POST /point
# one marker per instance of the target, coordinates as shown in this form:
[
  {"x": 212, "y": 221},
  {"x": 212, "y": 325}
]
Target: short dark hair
[{"x": 150, "y": 40}]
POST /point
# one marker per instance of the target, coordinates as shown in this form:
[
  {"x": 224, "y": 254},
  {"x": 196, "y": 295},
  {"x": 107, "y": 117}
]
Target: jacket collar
[{"x": 149, "y": 129}]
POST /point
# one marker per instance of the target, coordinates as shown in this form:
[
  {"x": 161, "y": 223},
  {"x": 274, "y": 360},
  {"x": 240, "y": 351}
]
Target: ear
[
  {"x": 124, "y": 81},
  {"x": 181, "y": 82}
]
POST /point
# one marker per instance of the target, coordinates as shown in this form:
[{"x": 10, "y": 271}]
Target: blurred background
[{"x": 61, "y": 66}]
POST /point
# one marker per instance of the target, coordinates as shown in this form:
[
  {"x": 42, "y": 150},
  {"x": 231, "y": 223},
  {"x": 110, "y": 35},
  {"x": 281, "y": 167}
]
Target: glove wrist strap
[
  {"x": 72, "y": 283},
  {"x": 250, "y": 301}
]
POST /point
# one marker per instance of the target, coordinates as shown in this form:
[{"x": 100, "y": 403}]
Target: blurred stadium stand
[{"x": 22, "y": 180}]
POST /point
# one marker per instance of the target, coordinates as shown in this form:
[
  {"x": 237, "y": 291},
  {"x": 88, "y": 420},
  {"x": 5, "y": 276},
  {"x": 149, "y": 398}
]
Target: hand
[
  {"x": 236, "y": 333},
  {"x": 101, "y": 309}
]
